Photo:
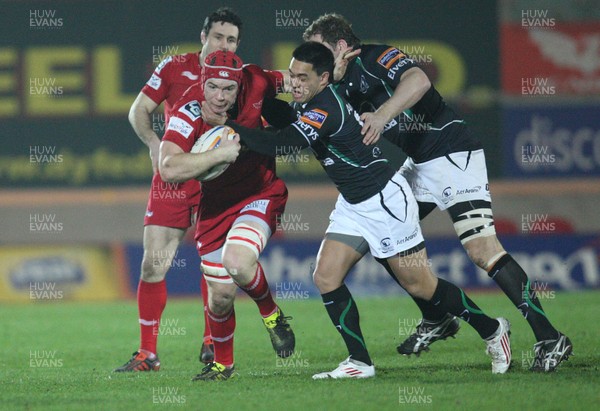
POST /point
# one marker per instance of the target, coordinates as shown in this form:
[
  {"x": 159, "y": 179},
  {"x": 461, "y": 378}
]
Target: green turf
[{"x": 77, "y": 345}]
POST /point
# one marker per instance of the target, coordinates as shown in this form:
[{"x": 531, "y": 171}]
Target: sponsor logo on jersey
[
  {"x": 314, "y": 117},
  {"x": 154, "y": 82},
  {"x": 349, "y": 108},
  {"x": 364, "y": 86},
  {"x": 327, "y": 162},
  {"x": 180, "y": 126},
  {"x": 471, "y": 190},
  {"x": 192, "y": 110},
  {"x": 447, "y": 195},
  {"x": 162, "y": 64},
  {"x": 306, "y": 129},
  {"x": 223, "y": 73},
  {"x": 391, "y": 124},
  {"x": 189, "y": 75},
  {"x": 392, "y": 72},
  {"x": 389, "y": 57},
  {"x": 408, "y": 237},
  {"x": 257, "y": 205},
  {"x": 386, "y": 245}
]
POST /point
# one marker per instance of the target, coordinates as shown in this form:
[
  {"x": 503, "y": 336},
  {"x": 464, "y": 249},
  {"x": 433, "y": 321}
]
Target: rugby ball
[{"x": 209, "y": 141}]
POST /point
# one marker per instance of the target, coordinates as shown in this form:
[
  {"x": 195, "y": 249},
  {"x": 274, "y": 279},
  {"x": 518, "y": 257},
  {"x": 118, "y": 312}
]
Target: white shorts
[
  {"x": 446, "y": 182},
  {"x": 388, "y": 221}
]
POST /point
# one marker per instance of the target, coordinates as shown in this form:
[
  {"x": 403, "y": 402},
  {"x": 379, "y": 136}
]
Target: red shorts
[
  {"x": 215, "y": 219},
  {"x": 172, "y": 204}
]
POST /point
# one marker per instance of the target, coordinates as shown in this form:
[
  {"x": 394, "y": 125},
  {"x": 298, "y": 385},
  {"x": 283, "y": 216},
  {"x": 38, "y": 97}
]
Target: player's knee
[
  {"x": 483, "y": 251},
  {"x": 237, "y": 262},
  {"x": 418, "y": 289},
  {"x": 324, "y": 282},
  {"x": 243, "y": 245},
  {"x": 154, "y": 268},
  {"x": 418, "y": 281},
  {"x": 221, "y": 300}
]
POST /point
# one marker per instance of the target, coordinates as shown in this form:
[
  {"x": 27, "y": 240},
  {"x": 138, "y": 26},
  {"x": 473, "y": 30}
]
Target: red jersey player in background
[
  {"x": 171, "y": 207},
  {"x": 239, "y": 208}
]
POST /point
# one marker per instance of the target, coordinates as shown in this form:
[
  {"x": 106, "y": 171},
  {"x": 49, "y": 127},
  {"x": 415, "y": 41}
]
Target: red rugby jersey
[
  {"x": 251, "y": 172},
  {"x": 171, "y": 78}
]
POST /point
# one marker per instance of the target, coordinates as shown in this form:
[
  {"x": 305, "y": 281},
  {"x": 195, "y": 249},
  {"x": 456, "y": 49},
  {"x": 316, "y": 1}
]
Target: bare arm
[
  {"x": 413, "y": 84},
  {"x": 139, "y": 118},
  {"x": 177, "y": 166}
]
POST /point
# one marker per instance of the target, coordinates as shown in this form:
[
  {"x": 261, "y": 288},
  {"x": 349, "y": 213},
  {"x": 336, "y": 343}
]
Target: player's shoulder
[
  {"x": 178, "y": 62},
  {"x": 379, "y": 54},
  {"x": 325, "y": 106},
  {"x": 252, "y": 70},
  {"x": 189, "y": 103},
  {"x": 253, "y": 73}
]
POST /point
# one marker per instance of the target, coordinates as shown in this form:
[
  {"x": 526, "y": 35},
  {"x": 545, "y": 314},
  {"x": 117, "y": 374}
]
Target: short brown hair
[{"x": 332, "y": 27}]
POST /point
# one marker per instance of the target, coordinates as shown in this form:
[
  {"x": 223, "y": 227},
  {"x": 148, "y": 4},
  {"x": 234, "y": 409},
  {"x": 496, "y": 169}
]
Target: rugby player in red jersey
[
  {"x": 239, "y": 209},
  {"x": 171, "y": 206}
]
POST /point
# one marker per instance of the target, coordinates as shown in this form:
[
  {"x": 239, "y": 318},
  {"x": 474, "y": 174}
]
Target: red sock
[
  {"x": 204, "y": 291},
  {"x": 152, "y": 298},
  {"x": 258, "y": 290},
  {"x": 222, "y": 329}
]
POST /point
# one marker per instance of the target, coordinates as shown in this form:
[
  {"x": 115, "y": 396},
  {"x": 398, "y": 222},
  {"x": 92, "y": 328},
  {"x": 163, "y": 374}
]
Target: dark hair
[
  {"x": 332, "y": 27},
  {"x": 316, "y": 54},
  {"x": 223, "y": 15}
]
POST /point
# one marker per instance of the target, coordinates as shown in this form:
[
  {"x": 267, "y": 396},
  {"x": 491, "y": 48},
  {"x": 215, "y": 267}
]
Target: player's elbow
[
  {"x": 417, "y": 81},
  {"x": 422, "y": 82},
  {"x": 132, "y": 115},
  {"x": 168, "y": 170}
]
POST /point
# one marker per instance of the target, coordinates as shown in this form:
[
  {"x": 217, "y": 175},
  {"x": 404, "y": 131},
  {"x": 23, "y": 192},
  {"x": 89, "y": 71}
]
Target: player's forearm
[
  {"x": 177, "y": 168},
  {"x": 413, "y": 85},
  {"x": 269, "y": 144},
  {"x": 139, "y": 118}
]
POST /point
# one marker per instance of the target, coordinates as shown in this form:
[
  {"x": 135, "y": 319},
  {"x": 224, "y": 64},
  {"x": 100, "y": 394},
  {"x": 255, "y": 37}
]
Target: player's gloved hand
[
  {"x": 373, "y": 126},
  {"x": 229, "y": 149},
  {"x": 212, "y": 118},
  {"x": 341, "y": 62}
]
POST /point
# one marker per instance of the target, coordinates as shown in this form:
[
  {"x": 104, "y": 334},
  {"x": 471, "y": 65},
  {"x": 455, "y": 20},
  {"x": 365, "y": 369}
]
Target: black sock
[
  {"x": 429, "y": 311},
  {"x": 452, "y": 299},
  {"x": 343, "y": 312},
  {"x": 511, "y": 278}
]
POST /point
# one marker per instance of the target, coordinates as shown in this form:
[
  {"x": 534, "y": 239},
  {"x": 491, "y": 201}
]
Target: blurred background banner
[
  {"x": 60, "y": 273},
  {"x": 548, "y": 141},
  {"x": 74, "y": 177},
  {"x": 68, "y": 78},
  {"x": 541, "y": 56},
  {"x": 557, "y": 262}
]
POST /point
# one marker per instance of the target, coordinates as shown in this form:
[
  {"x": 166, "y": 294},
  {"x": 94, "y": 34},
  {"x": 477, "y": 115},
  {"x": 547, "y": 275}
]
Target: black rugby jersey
[
  {"x": 330, "y": 127},
  {"x": 428, "y": 130}
]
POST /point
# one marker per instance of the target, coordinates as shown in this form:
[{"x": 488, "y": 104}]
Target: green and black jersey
[
  {"x": 428, "y": 130},
  {"x": 330, "y": 127}
]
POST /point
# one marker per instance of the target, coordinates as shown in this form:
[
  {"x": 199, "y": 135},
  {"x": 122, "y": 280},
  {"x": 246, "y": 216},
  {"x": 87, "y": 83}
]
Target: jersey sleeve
[
  {"x": 157, "y": 87},
  {"x": 268, "y": 143},
  {"x": 278, "y": 113},
  {"x": 389, "y": 63},
  {"x": 185, "y": 123}
]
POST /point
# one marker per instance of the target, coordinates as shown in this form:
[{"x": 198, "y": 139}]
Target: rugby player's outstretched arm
[
  {"x": 270, "y": 144},
  {"x": 413, "y": 84}
]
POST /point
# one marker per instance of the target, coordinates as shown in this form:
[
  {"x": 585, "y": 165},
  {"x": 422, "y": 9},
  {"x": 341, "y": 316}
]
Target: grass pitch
[{"x": 60, "y": 355}]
